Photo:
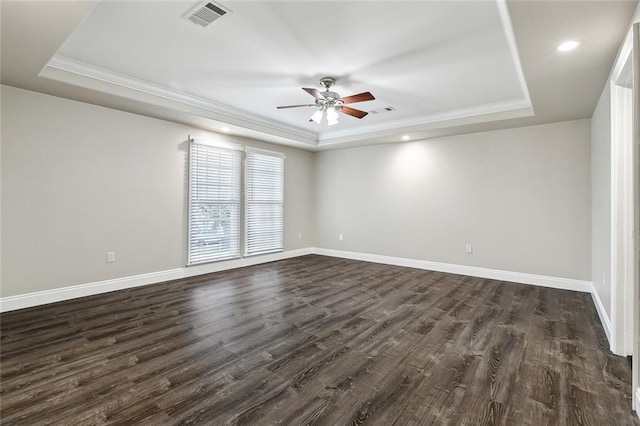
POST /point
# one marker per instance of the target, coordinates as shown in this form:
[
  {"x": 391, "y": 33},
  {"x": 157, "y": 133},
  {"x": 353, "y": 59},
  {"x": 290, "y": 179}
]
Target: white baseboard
[
  {"x": 474, "y": 271},
  {"x": 56, "y": 295},
  {"x": 21, "y": 301},
  {"x": 602, "y": 313}
]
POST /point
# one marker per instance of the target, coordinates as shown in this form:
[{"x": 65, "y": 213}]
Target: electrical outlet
[
  {"x": 469, "y": 248},
  {"x": 299, "y": 235},
  {"x": 111, "y": 256},
  {"x": 340, "y": 237}
]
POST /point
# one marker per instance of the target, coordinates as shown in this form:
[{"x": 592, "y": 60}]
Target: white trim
[
  {"x": 83, "y": 69},
  {"x": 123, "y": 80},
  {"x": 503, "y": 10},
  {"x": 56, "y": 295},
  {"x": 450, "y": 117},
  {"x": 21, "y": 301},
  {"x": 602, "y": 312},
  {"x": 623, "y": 56},
  {"x": 622, "y": 193},
  {"x": 266, "y": 152},
  {"x": 474, "y": 271},
  {"x": 217, "y": 144},
  {"x": 635, "y": 306},
  {"x": 513, "y": 108}
]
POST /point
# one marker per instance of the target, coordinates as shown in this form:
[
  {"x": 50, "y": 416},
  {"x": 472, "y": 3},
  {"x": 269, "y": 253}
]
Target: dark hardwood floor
[{"x": 315, "y": 340}]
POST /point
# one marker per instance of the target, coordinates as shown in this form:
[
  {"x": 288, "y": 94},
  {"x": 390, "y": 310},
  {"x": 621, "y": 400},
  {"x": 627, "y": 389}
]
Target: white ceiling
[{"x": 445, "y": 66}]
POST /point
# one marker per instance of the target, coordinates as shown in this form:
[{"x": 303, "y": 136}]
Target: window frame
[
  {"x": 279, "y": 155},
  {"x": 235, "y": 240}
]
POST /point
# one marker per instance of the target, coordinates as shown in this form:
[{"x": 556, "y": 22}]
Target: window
[
  {"x": 214, "y": 202},
  {"x": 264, "y": 206}
]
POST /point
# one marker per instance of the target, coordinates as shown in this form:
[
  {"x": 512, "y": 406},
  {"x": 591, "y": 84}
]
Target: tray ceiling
[
  {"x": 446, "y": 67},
  {"x": 430, "y": 61}
]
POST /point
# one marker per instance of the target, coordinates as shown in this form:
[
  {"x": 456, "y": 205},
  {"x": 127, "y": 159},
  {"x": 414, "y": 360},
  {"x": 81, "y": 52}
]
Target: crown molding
[
  {"x": 514, "y": 108},
  {"x": 505, "y": 18},
  {"x": 497, "y": 111},
  {"x": 76, "y": 72},
  {"x": 217, "y": 111}
]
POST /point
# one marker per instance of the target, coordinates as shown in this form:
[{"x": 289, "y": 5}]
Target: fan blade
[
  {"x": 295, "y": 106},
  {"x": 353, "y": 112},
  {"x": 313, "y": 92},
  {"x": 360, "y": 97}
]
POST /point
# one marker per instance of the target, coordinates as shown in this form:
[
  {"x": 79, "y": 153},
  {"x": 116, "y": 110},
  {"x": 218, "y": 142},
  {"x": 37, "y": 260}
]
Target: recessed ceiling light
[
  {"x": 226, "y": 129},
  {"x": 568, "y": 45},
  {"x": 405, "y": 137}
]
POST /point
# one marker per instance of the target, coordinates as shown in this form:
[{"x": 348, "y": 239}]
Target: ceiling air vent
[
  {"x": 205, "y": 13},
  {"x": 381, "y": 110}
]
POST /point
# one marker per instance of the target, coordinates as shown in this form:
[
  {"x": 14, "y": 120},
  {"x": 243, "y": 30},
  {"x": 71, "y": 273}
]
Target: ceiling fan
[{"x": 330, "y": 103}]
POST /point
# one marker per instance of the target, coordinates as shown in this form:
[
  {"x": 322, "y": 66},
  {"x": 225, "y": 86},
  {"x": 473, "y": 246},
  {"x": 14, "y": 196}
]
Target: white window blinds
[
  {"x": 264, "y": 207},
  {"x": 214, "y": 202}
]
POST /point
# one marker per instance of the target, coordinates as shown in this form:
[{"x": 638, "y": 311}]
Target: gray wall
[
  {"x": 601, "y": 198},
  {"x": 80, "y": 180},
  {"x": 520, "y": 196}
]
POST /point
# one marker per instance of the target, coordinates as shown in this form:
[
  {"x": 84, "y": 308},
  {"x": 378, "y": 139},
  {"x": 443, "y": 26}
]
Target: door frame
[
  {"x": 622, "y": 209},
  {"x": 625, "y": 205},
  {"x": 622, "y": 202}
]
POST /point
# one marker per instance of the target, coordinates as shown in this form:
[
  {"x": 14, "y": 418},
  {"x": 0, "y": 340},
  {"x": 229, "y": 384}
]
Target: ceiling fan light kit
[
  {"x": 330, "y": 103},
  {"x": 317, "y": 116}
]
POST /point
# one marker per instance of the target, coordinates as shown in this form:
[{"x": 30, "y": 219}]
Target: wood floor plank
[{"x": 314, "y": 340}]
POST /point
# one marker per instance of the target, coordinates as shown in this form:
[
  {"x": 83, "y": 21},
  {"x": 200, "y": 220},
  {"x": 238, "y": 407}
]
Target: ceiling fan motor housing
[
  {"x": 329, "y": 100},
  {"x": 327, "y": 82},
  {"x": 331, "y": 96}
]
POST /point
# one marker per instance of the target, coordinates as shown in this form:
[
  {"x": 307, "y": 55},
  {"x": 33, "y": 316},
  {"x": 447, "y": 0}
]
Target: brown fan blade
[
  {"x": 295, "y": 106},
  {"x": 360, "y": 97},
  {"x": 313, "y": 92},
  {"x": 353, "y": 112}
]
